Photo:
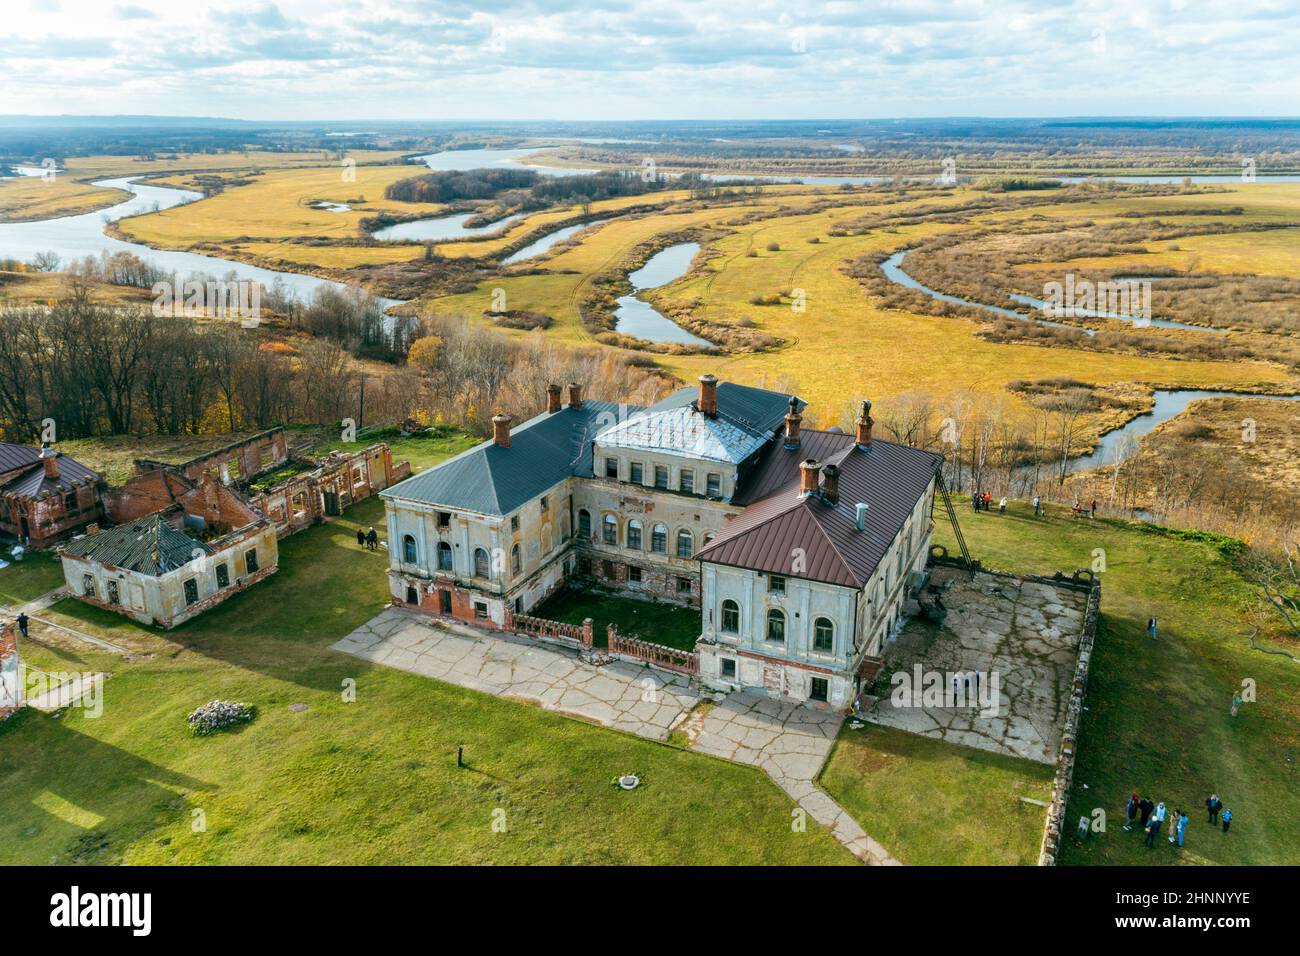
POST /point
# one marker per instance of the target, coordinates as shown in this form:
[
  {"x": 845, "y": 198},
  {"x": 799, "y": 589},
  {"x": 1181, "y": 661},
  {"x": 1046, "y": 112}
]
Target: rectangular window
[
  {"x": 88, "y": 585},
  {"x": 70, "y": 502},
  {"x": 191, "y": 591},
  {"x": 683, "y": 585},
  {"x": 444, "y": 519},
  {"x": 250, "y": 560},
  {"x": 713, "y": 485},
  {"x": 728, "y": 667},
  {"x": 514, "y": 522},
  {"x": 546, "y": 504},
  {"x": 611, "y": 467},
  {"x": 634, "y": 575},
  {"x": 819, "y": 689},
  {"x": 607, "y": 568},
  {"x": 661, "y": 476},
  {"x": 113, "y": 596},
  {"x": 223, "y": 576},
  {"x": 687, "y": 481},
  {"x": 638, "y": 473},
  {"x": 775, "y": 584},
  {"x": 480, "y": 610}
]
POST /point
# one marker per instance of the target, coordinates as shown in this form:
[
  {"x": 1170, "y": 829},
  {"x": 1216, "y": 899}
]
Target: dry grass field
[
  {"x": 30, "y": 197},
  {"x": 787, "y": 241}
]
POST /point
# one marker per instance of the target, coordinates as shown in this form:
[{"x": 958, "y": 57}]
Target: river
[{"x": 639, "y": 318}]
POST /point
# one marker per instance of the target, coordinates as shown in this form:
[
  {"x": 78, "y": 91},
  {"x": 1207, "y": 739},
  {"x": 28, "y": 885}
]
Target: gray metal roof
[
  {"x": 32, "y": 483},
  {"x": 149, "y": 545},
  {"x": 684, "y": 431},
  {"x": 806, "y": 537},
  {"x": 492, "y": 480},
  {"x": 756, "y": 410}
]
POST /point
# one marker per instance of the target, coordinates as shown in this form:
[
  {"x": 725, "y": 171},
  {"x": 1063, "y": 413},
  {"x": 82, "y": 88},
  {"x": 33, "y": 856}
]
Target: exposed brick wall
[
  {"x": 49, "y": 518},
  {"x": 9, "y": 666},
  {"x": 345, "y": 477},
  {"x": 241, "y": 459}
]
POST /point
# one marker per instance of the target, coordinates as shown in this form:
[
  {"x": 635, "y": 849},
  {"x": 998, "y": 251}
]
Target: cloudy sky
[{"x": 649, "y": 59}]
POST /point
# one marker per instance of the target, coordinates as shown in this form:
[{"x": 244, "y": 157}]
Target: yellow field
[
  {"x": 30, "y": 197},
  {"x": 103, "y": 167},
  {"x": 841, "y": 347}
]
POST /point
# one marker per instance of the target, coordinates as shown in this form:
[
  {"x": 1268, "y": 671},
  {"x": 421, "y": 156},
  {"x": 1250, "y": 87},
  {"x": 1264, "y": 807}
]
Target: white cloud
[{"x": 614, "y": 59}]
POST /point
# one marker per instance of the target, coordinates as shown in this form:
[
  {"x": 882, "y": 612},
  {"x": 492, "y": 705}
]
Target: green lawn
[
  {"x": 374, "y": 781},
  {"x": 1157, "y": 717},
  {"x": 659, "y": 622},
  {"x": 37, "y": 573},
  {"x": 934, "y": 803}
]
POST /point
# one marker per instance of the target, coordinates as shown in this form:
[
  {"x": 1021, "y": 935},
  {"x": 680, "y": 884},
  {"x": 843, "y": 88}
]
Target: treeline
[
  {"x": 527, "y": 190},
  {"x": 99, "y": 370},
  {"x": 457, "y": 185},
  {"x": 102, "y": 370}
]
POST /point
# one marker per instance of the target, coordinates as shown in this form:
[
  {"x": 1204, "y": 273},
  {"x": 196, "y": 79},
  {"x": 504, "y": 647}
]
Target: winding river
[
  {"x": 75, "y": 237},
  {"x": 638, "y": 317},
  {"x": 1120, "y": 443}
]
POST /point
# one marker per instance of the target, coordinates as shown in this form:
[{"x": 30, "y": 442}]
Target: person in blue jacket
[
  {"x": 1227, "y": 818},
  {"x": 1180, "y": 824}
]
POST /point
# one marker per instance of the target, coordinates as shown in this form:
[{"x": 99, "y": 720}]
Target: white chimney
[{"x": 862, "y": 517}]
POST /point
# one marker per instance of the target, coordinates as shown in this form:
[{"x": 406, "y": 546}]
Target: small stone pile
[{"x": 219, "y": 715}]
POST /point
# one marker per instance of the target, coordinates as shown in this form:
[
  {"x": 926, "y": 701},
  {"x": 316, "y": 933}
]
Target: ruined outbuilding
[{"x": 45, "y": 494}]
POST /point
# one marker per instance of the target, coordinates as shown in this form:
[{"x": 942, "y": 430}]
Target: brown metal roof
[{"x": 807, "y": 537}]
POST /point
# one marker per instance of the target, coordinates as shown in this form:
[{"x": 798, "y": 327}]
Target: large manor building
[{"x": 798, "y": 546}]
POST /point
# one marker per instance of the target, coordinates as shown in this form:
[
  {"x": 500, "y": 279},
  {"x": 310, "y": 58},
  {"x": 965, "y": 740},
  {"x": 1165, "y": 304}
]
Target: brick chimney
[
  {"x": 865, "y": 421},
  {"x": 552, "y": 398},
  {"x": 808, "y": 470},
  {"x": 575, "y": 395},
  {"x": 792, "y": 420},
  {"x": 831, "y": 484},
  {"x": 50, "y": 459},
  {"x": 707, "y": 403},
  {"x": 501, "y": 430}
]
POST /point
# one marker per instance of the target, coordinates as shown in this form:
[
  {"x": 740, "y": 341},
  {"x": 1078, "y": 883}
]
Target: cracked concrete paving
[
  {"x": 787, "y": 741},
  {"x": 1025, "y": 632}
]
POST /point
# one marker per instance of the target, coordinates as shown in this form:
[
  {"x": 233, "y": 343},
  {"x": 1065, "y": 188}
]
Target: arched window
[
  {"x": 634, "y": 535},
  {"x": 776, "y": 626},
  {"x": 408, "y": 549},
  {"x": 610, "y": 525},
  {"x": 730, "y": 617},
  {"x": 685, "y": 544},
  {"x": 823, "y": 635},
  {"x": 515, "y": 565},
  {"x": 482, "y": 567},
  {"x": 444, "y": 556},
  {"x": 659, "y": 539},
  {"x": 584, "y": 523},
  {"x": 708, "y": 536}
]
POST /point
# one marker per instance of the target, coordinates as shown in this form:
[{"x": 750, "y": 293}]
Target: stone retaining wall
[{"x": 1069, "y": 735}]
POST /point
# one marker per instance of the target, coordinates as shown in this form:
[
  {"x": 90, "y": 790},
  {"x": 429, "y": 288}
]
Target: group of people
[
  {"x": 1150, "y": 817},
  {"x": 368, "y": 539},
  {"x": 983, "y": 501},
  {"x": 1085, "y": 509}
]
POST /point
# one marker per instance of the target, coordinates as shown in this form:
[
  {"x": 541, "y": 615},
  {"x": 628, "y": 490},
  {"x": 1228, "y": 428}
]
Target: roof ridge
[{"x": 834, "y": 547}]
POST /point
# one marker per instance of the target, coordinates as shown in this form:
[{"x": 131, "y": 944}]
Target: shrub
[{"x": 220, "y": 715}]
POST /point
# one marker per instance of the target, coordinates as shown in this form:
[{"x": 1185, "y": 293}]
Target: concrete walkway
[{"x": 787, "y": 741}]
